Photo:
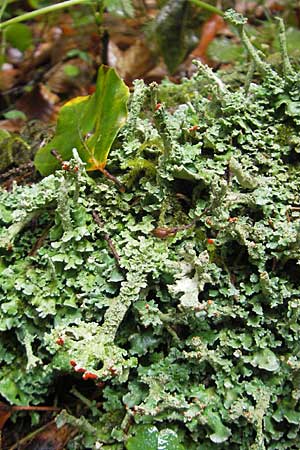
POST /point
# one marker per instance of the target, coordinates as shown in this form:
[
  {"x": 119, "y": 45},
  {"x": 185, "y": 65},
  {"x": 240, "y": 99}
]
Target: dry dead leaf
[
  {"x": 157, "y": 74},
  {"x": 59, "y": 81},
  {"x": 52, "y": 438},
  {"x": 131, "y": 63},
  {"x": 8, "y": 77},
  {"x": 252, "y": 7},
  {"x": 40, "y": 104},
  {"x": 208, "y": 32},
  {"x": 5, "y": 413},
  {"x": 12, "y": 125},
  {"x": 49, "y": 437}
]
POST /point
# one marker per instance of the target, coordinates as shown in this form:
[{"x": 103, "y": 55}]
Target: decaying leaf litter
[
  {"x": 187, "y": 341},
  {"x": 56, "y": 57}
]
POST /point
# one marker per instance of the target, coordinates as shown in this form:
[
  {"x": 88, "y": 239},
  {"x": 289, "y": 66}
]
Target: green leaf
[
  {"x": 4, "y": 134},
  {"x": 223, "y": 50},
  {"x": 19, "y": 36},
  {"x": 90, "y": 124},
  {"x": 71, "y": 70},
  {"x": 15, "y": 114},
  {"x": 81, "y": 54},
  {"x": 122, "y": 8},
  {"x": 39, "y": 3},
  {"x": 174, "y": 37}
]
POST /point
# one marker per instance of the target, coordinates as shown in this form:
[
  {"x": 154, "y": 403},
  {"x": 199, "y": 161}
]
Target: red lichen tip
[
  {"x": 73, "y": 363},
  {"x": 194, "y": 128},
  {"x": 210, "y": 241},
  {"x": 79, "y": 369},
  {"x": 60, "y": 341},
  {"x": 89, "y": 376},
  {"x": 113, "y": 371},
  {"x": 65, "y": 165}
]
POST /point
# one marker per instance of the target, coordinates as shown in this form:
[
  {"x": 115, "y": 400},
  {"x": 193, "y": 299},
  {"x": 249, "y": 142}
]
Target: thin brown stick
[
  {"x": 114, "y": 179},
  {"x": 39, "y": 242},
  {"x": 106, "y": 237},
  {"x": 35, "y": 408},
  {"x": 56, "y": 155},
  {"x": 30, "y": 436},
  {"x": 8, "y": 183},
  {"x": 17, "y": 170}
]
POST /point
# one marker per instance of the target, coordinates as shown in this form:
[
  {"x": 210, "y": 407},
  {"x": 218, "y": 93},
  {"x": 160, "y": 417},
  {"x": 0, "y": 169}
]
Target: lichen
[{"x": 198, "y": 332}]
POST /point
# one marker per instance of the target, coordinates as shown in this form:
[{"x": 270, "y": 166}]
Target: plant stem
[
  {"x": 48, "y": 9},
  {"x": 208, "y": 7},
  {"x": 3, "y": 7}
]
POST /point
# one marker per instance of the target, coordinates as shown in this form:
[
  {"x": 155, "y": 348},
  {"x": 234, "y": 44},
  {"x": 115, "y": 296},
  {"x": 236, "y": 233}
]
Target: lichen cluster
[{"x": 182, "y": 301}]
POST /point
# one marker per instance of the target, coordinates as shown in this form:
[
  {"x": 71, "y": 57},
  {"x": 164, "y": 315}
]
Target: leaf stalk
[{"x": 46, "y": 10}]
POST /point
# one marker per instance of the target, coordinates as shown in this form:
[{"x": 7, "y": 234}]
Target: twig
[
  {"x": 17, "y": 170},
  {"x": 39, "y": 241},
  {"x": 106, "y": 237},
  {"x": 56, "y": 155},
  {"x": 30, "y": 436},
  {"x": 35, "y": 408},
  {"x": 8, "y": 183},
  {"x": 114, "y": 179}
]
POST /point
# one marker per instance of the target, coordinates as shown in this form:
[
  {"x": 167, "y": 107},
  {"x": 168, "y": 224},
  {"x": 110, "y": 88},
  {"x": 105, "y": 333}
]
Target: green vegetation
[
  {"x": 176, "y": 301},
  {"x": 90, "y": 124}
]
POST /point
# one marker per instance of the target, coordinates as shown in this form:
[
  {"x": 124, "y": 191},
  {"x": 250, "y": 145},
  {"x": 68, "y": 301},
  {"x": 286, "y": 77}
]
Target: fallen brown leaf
[
  {"x": 60, "y": 82},
  {"x": 209, "y": 31},
  {"x": 132, "y": 63},
  {"x": 5, "y": 413},
  {"x": 12, "y": 125},
  {"x": 48, "y": 437},
  {"x": 39, "y": 104},
  {"x": 8, "y": 77},
  {"x": 52, "y": 438}
]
